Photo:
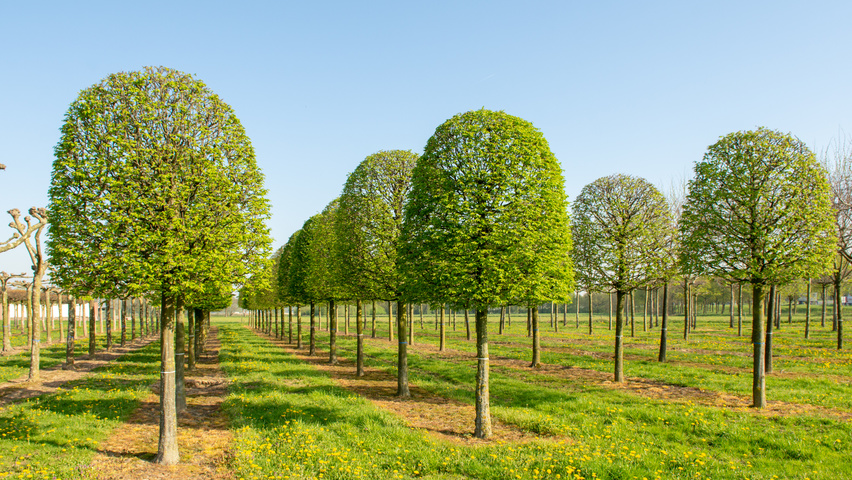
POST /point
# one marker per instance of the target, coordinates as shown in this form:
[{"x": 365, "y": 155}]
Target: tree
[
  {"x": 369, "y": 222},
  {"x": 285, "y": 294},
  {"x": 486, "y": 224},
  {"x": 759, "y": 212},
  {"x": 622, "y": 223},
  {"x": 297, "y": 281},
  {"x": 155, "y": 184}
]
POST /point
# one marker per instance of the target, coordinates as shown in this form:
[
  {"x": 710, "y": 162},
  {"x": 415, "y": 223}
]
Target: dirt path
[
  {"x": 203, "y": 434},
  {"x": 55, "y": 377},
  {"x": 441, "y": 417}
]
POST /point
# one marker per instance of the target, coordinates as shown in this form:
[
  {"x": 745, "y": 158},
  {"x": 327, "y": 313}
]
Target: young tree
[
  {"x": 485, "y": 224},
  {"x": 155, "y": 183},
  {"x": 759, "y": 212},
  {"x": 369, "y": 222},
  {"x": 623, "y": 224}
]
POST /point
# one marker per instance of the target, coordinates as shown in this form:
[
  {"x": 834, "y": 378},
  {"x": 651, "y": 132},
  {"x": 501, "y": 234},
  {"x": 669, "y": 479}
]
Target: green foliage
[
  {"x": 154, "y": 187},
  {"x": 486, "y": 222},
  {"x": 285, "y": 263},
  {"x": 621, "y": 227},
  {"x": 323, "y": 279},
  {"x": 759, "y": 211},
  {"x": 369, "y": 223}
]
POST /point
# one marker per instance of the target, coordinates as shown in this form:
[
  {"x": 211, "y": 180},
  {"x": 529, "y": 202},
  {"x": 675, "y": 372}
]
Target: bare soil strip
[
  {"x": 57, "y": 376},
  {"x": 638, "y": 386},
  {"x": 440, "y": 417},
  {"x": 204, "y": 437}
]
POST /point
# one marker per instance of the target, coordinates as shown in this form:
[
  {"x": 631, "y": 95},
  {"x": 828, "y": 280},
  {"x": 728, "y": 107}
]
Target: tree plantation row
[{"x": 155, "y": 194}]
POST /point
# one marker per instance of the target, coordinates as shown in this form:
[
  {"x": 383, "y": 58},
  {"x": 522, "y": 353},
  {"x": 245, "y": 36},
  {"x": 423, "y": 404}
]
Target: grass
[
  {"x": 55, "y": 436},
  {"x": 586, "y": 430}
]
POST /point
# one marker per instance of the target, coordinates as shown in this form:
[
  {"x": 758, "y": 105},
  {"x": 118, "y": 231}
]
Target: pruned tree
[
  {"x": 155, "y": 183},
  {"x": 758, "y": 212},
  {"x": 369, "y": 223},
  {"x": 486, "y": 223},
  {"x": 623, "y": 222}
]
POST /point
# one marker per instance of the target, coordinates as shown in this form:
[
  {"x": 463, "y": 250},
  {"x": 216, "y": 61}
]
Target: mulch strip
[
  {"x": 441, "y": 417},
  {"x": 50, "y": 379},
  {"x": 204, "y": 437}
]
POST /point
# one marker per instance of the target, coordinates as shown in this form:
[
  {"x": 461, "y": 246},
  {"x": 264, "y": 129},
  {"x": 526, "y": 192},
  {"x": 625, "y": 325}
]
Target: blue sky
[{"x": 616, "y": 87}]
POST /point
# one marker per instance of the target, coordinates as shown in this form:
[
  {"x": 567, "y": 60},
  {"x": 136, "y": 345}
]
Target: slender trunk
[
  {"x": 839, "y": 322},
  {"x": 591, "y": 309},
  {"x": 483, "y": 407},
  {"x": 373, "y": 315},
  {"x": 312, "y": 346},
  {"x": 289, "y": 324},
  {"x": 402, "y": 352},
  {"x": 610, "y": 310},
  {"x": 770, "y": 321},
  {"x": 197, "y": 337},
  {"x": 108, "y": 322},
  {"x": 7, "y": 319},
  {"x": 180, "y": 356},
  {"x": 359, "y": 328},
  {"x": 822, "y": 323},
  {"x": 645, "y": 312},
  {"x": 72, "y": 330},
  {"x": 93, "y": 318},
  {"x": 536, "y": 340},
  {"x": 808, "y": 312},
  {"x": 298, "y": 325},
  {"x": 664, "y": 328},
  {"x": 192, "y": 315},
  {"x": 632, "y": 314},
  {"x": 740, "y": 311},
  {"x": 167, "y": 449},
  {"x": 133, "y": 319},
  {"x": 758, "y": 386},
  {"x": 619, "y": 336},
  {"x": 441, "y": 334},
  {"x": 332, "y": 333},
  {"x": 390, "y": 321},
  {"x": 467, "y": 323},
  {"x": 123, "y": 322},
  {"x": 411, "y": 325},
  {"x": 686, "y": 315}
]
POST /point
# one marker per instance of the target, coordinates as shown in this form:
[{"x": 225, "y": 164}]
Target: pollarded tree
[
  {"x": 155, "y": 183},
  {"x": 622, "y": 223},
  {"x": 324, "y": 274},
  {"x": 369, "y": 222},
  {"x": 758, "y": 212},
  {"x": 486, "y": 223}
]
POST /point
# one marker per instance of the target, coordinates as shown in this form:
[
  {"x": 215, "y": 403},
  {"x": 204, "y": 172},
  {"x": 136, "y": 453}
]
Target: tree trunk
[
  {"x": 686, "y": 313},
  {"x": 619, "y": 336},
  {"x": 467, "y": 323},
  {"x": 645, "y": 312},
  {"x": 740, "y": 311},
  {"x": 312, "y": 346},
  {"x": 7, "y": 320},
  {"x": 536, "y": 340},
  {"x": 591, "y": 309},
  {"x": 123, "y": 322},
  {"x": 390, "y": 321},
  {"x": 632, "y": 314},
  {"x": 770, "y": 321},
  {"x": 442, "y": 334},
  {"x": 359, "y": 328},
  {"x": 808, "y": 312},
  {"x": 108, "y": 322},
  {"x": 72, "y": 332},
  {"x": 298, "y": 325},
  {"x": 332, "y": 333},
  {"x": 411, "y": 325},
  {"x": 93, "y": 318},
  {"x": 180, "y": 356},
  {"x": 190, "y": 338},
  {"x": 610, "y": 310},
  {"x": 483, "y": 407},
  {"x": 402, "y": 352},
  {"x": 665, "y": 326},
  {"x": 197, "y": 339},
  {"x": 167, "y": 449},
  {"x": 373, "y": 315},
  {"x": 132, "y": 318},
  {"x": 839, "y": 309},
  {"x": 758, "y": 387}
]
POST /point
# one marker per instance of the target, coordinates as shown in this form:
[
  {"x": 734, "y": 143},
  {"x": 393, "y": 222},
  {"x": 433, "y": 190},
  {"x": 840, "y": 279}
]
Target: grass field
[{"x": 685, "y": 419}]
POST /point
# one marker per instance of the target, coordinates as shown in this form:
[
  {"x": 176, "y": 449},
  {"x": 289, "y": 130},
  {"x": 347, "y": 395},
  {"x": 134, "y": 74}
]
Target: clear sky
[{"x": 616, "y": 87}]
